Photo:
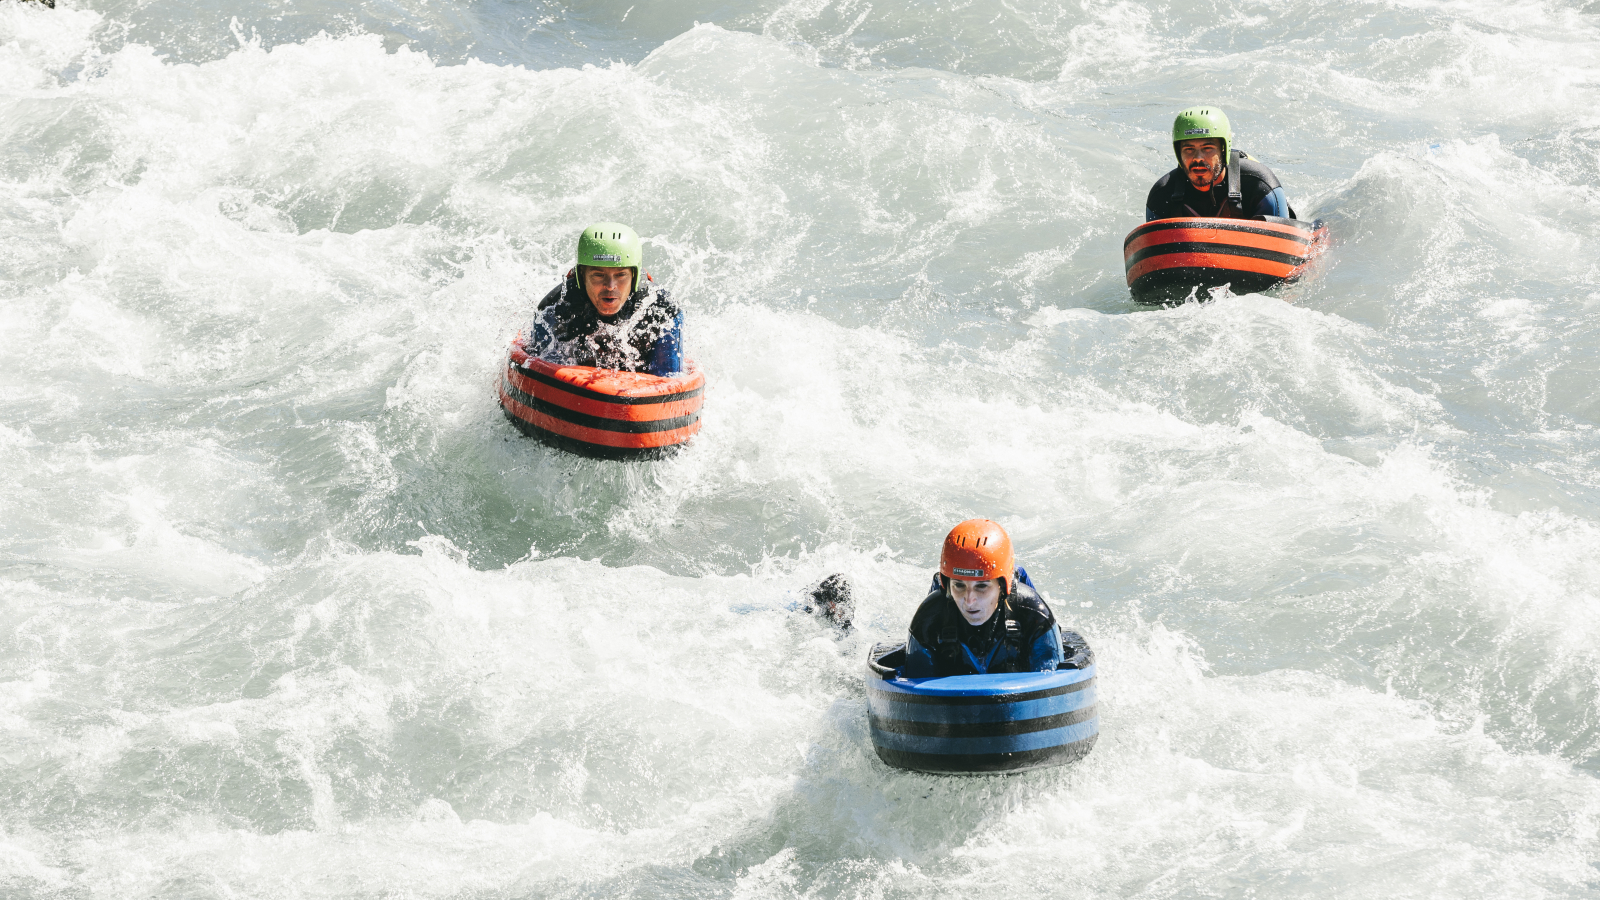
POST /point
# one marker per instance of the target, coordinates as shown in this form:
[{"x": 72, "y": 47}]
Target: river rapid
[{"x": 289, "y": 610}]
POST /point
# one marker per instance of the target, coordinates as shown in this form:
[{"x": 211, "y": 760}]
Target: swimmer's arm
[
  {"x": 1046, "y": 652},
  {"x": 542, "y": 342},
  {"x": 1275, "y": 203},
  {"x": 667, "y": 358}
]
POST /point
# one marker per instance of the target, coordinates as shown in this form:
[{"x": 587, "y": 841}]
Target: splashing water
[{"x": 291, "y": 611}]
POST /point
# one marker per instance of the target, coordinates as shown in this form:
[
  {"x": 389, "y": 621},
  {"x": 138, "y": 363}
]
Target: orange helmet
[{"x": 978, "y": 549}]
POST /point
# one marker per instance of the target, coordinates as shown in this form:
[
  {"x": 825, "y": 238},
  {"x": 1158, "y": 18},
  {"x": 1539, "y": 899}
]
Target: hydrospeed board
[
  {"x": 601, "y": 413},
  {"x": 1168, "y": 258},
  {"x": 972, "y": 724}
]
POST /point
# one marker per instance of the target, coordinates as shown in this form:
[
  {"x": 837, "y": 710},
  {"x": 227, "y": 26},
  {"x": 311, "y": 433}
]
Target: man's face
[
  {"x": 1202, "y": 161},
  {"x": 977, "y": 600},
  {"x": 608, "y": 287}
]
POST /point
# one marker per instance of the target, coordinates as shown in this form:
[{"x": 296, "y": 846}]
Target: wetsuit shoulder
[
  {"x": 922, "y": 638},
  {"x": 929, "y": 612},
  {"x": 1038, "y": 640},
  {"x": 1260, "y": 192},
  {"x": 1030, "y": 610},
  {"x": 665, "y": 303},
  {"x": 564, "y": 314},
  {"x": 568, "y": 288},
  {"x": 661, "y": 309}
]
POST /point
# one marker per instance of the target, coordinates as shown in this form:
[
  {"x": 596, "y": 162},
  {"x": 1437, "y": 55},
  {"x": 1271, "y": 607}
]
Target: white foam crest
[
  {"x": 15, "y": 695},
  {"x": 1458, "y": 277},
  {"x": 1269, "y": 772},
  {"x": 925, "y": 164},
  {"x": 230, "y": 305},
  {"x": 433, "y": 856},
  {"x": 1216, "y": 784},
  {"x": 1534, "y": 67},
  {"x": 1073, "y": 447},
  {"x": 37, "y": 44},
  {"x": 110, "y": 516},
  {"x": 1497, "y": 196},
  {"x": 1115, "y": 40},
  {"x": 852, "y": 397},
  {"x": 380, "y": 646},
  {"x": 336, "y": 131},
  {"x": 1025, "y": 39},
  {"x": 1323, "y": 371},
  {"x": 20, "y": 865}
]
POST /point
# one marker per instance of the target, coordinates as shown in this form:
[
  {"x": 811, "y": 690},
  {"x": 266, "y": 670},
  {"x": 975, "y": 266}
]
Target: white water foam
[{"x": 291, "y": 611}]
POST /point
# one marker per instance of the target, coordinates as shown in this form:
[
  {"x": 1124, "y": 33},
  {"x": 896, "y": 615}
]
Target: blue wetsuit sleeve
[
  {"x": 919, "y": 660},
  {"x": 1046, "y": 653},
  {"x": 667, "y": 358},
  {"x": 1022, "y": 576},
  {"x": 541, "y": 342},
  {"x": 1273, "y": 204}
]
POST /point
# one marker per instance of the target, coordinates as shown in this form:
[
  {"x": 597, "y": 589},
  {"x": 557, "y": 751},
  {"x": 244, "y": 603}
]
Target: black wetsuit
[
  {"x": 1173, "y": 197},
  {"x": 644, "y": 336},
  {"x": 1021, "y": 636}
]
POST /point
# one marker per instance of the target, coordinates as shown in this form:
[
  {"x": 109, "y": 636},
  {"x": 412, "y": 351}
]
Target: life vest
[
  {"x": 625, "y": 341},
  {"x": 1002, "y": 644},
  {"x": 1246, "y": 183}
]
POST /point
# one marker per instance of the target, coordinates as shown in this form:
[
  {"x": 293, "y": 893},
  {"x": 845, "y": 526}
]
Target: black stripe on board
[
  {"x": 1220, "y": 225},
  {"x": 597, "y": 422},
  {"x": 587, "y": 394},
  {"x": 584, "y": 448},
  {"x": 1287, "y": 259},
  {"x": 980, "y": 699},
  {"x": 980, "y": 763},
  {"x": 982, "y": 729}
]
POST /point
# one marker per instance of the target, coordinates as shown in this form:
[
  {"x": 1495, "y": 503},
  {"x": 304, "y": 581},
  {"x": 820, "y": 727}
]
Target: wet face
[
  {"x": 608, "y": 287},
  {"x": 1202, "y": 161},
  {"x": 977, "y": 600}
]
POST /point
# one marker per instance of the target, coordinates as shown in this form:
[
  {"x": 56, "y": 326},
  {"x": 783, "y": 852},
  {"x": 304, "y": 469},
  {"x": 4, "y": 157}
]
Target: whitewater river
[{"x": 289, "y": 610}]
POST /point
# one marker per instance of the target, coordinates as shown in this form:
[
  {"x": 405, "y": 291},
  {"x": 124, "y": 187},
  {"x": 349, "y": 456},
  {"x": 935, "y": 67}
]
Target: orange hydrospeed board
[
  {"x": 1167, "y": 258},
  {"x": 602, "y": 413}
]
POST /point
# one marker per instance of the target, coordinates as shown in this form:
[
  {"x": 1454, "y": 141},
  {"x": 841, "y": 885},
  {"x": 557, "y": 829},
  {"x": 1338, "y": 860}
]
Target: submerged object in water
[
  {"x": 1167, "y": 259},
  {"x": 973, "y": 724},
  {"x": 601, "y": 413}
]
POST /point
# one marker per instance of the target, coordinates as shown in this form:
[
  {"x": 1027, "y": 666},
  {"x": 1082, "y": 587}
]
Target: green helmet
[
  {"x": 1202, "y": 122},
  {"x": 611, "y": 244}
]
